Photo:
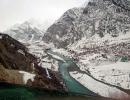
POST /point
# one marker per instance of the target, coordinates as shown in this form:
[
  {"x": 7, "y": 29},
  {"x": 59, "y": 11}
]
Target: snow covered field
[
  {"x": 27, "y": 76},
  {"x": 116, "y": 74},
  {"x": 103, "y": 59},
  {"x": 98, "y": 87}
]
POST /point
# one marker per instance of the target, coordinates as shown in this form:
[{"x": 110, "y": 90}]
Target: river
[
  {"x": 92, "y": 86},
  {"x": 17, "y": 92},
  {"x": 76, "y": 91},
  {"x": 72, "y": 85}
]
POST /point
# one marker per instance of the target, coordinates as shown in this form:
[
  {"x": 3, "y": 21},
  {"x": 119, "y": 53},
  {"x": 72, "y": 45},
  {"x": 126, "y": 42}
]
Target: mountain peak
[{"x": 28, "y": 31}]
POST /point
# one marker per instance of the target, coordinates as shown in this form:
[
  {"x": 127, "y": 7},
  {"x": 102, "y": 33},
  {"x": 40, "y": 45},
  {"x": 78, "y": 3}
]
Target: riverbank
[
  {"x": 18, "y": 92},
  {"x": 84, "y": 83}
]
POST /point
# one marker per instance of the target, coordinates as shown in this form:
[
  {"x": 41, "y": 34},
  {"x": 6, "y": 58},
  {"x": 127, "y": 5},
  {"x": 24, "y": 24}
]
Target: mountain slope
[
  {"x": 18, "y": 66},
  {"x": 100, "y": 17},
  {"x": 59, "y": 33},
  {"x": 30, "y": 34},
  {"x": 29, "y": 31}
]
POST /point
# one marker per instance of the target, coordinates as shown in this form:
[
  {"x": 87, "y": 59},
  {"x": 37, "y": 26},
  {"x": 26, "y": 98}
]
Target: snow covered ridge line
[
  {"x": 26, "y": 32},
  {"x": 20, "y": 51},
  {"x": 63, "y": 52},
  {"x": 56, "y": 57},
  {"x": 97, "y": 41}
]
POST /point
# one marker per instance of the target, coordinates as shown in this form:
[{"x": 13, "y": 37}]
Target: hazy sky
[{"x": 17, "y": 11}]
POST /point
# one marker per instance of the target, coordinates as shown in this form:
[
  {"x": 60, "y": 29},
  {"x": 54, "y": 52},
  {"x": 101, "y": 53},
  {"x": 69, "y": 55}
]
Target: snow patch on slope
[
  {"x": 27, "y": 76},
  {"x": 117, "y": 74},
  {"x": 98, "y": 87}
]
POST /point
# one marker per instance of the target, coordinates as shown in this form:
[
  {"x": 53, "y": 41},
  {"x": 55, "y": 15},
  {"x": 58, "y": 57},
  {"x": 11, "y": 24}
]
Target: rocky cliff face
[
  {"x": 59, "y": 32},
  {"x": 17, "y": 66},
  {"x": 125, "y": 4},
  {"x": 99, "y": 17}
]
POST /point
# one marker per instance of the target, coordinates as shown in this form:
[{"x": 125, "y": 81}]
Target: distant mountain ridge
[{"x": 29, "y": 31}]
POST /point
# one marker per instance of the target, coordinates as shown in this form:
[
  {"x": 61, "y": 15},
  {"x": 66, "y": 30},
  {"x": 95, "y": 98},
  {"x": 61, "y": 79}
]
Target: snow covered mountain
[
  {"x": 103, "y": 47},
  {"x": 59, "y": 32},
  {"x": 18, "y": 66},
  {"x": 97, "y": 37},
  {"x": 99, "y": 17},
  {"x": 29, "y": 31}
]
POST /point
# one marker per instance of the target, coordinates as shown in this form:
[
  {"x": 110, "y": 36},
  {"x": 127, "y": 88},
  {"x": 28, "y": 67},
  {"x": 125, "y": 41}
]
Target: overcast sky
[{"x": 17, "y": 11}]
